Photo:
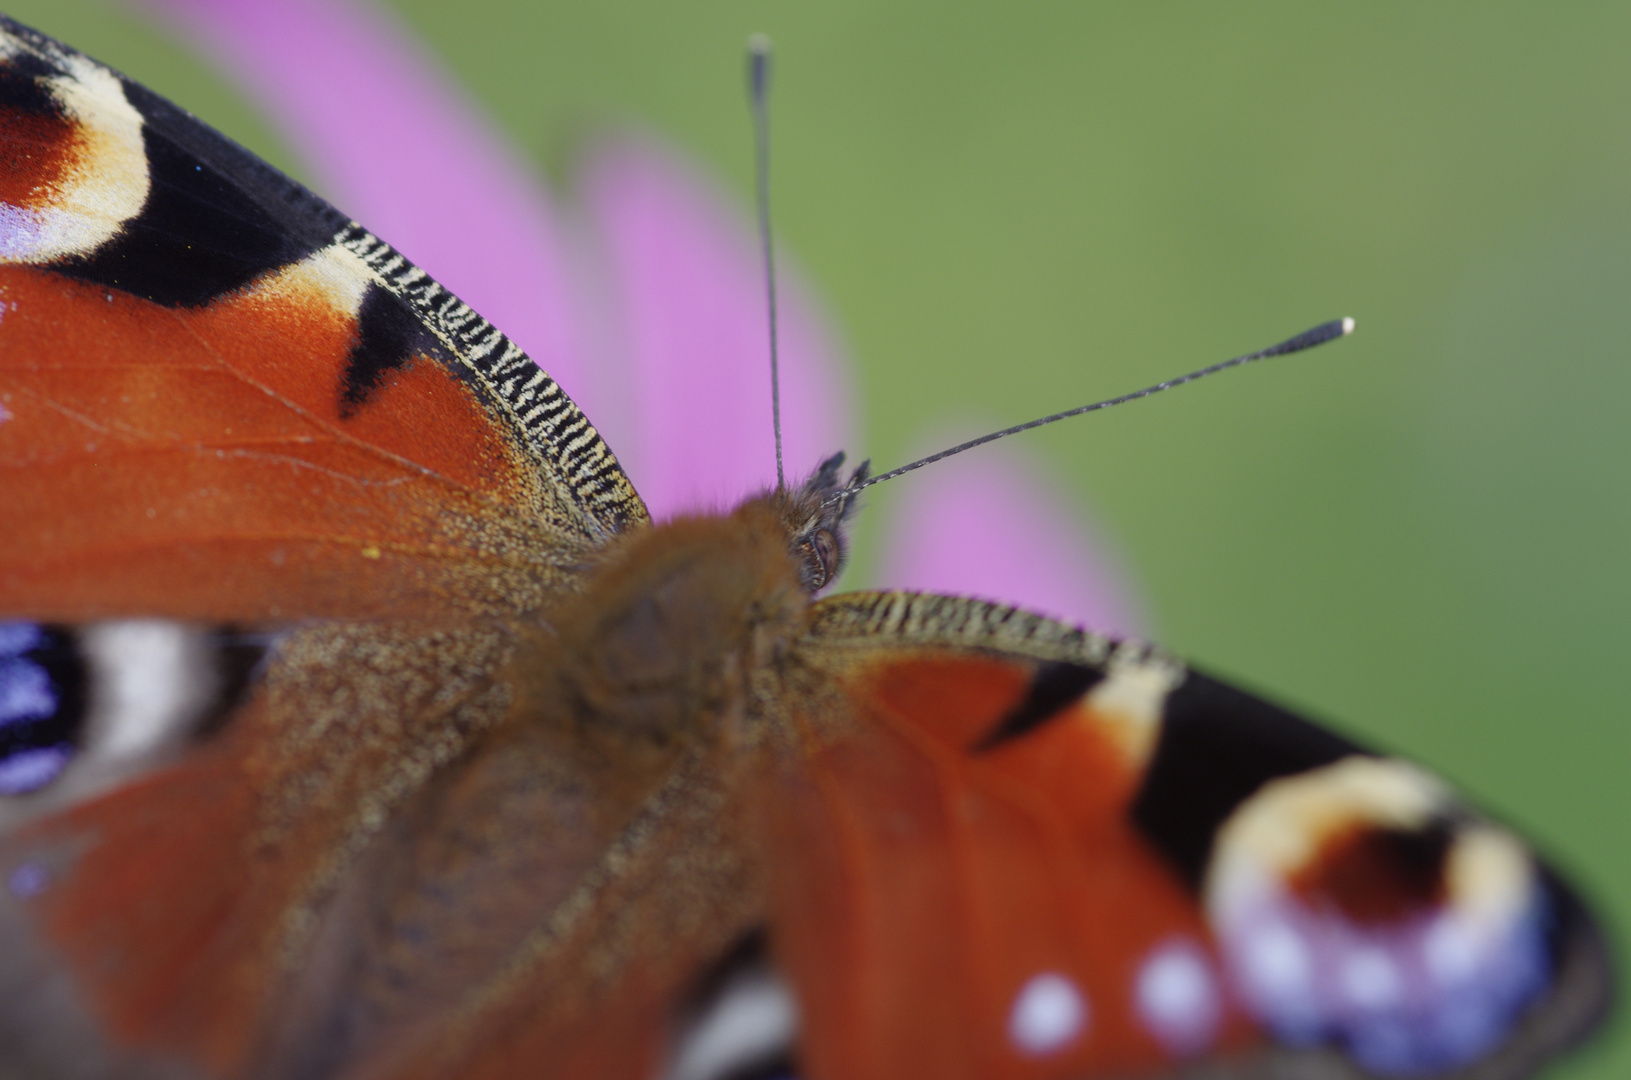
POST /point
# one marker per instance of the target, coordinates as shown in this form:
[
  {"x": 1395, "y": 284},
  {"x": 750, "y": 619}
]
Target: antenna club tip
[
  {"x": 1347, "y": 327},
  {"x": 759, "y": 46}
]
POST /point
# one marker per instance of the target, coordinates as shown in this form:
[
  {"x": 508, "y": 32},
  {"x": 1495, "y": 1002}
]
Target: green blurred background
[{"x": 1013, "y": 208}]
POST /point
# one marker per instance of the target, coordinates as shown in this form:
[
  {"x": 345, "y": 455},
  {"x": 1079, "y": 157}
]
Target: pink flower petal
[
  {"x": 656, "y": 315},
  {"x": 394, "y": 143},
  {"x": 986, "y": 524},
  {"x": 683, "y": 271}
]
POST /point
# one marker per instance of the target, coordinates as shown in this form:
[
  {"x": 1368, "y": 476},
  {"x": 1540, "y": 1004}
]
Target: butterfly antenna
[
  {"x": 1319, "y": 335},
  {"x": 759, "y": 98}
]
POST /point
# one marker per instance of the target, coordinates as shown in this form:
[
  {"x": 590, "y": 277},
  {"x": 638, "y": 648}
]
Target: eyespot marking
[
  {"x": 110, "y": 695},
  {"x": 744, "y": 1025},
  {"x": 1358, "y": 903},
  {"x": 1178, "y": 997},
  {"x": 1049, "y": 1013},
  {"x": 1216, "y": 746},
  {"x": 28, "y": 880},
  {"x": 89, "y": 175},
  {"x": 30, "y": 770},
  {"x": 151, "y": 679},
  {"x": 41, "y": 705}
]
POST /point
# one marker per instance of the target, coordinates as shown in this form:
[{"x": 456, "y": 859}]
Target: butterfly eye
[
  {"x": 113, "y": 693},
  {"x": 820, "y": 556}
]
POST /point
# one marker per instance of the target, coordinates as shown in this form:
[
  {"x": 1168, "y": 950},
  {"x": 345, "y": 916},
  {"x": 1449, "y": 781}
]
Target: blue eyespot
[{"x": 42, "y": 705}]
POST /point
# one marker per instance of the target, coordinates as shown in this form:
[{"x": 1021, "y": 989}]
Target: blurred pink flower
[{"x": 645, "y": 300}]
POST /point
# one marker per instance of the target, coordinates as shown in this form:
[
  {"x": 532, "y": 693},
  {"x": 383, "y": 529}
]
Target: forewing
[
  {"x": 221, "y": 399},
  {"x": 1018, "y": 850}
]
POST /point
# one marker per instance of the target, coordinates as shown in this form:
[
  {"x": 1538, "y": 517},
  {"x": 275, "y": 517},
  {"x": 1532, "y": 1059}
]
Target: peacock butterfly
[{"x": 356, "y": 721}]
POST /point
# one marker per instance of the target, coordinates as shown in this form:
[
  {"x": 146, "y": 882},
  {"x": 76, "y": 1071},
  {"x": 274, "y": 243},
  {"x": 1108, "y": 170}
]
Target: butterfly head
[{"x": 815, "y": 515}]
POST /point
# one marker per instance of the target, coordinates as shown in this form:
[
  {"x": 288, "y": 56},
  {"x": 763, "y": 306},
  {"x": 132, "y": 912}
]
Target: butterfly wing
[
  {"x": 996, "y": 847},
  {"x": 228, "y": 414},
  {"x": 390, "y": 863},
  {"x": 1018, "y": 850},
  {"x": 221, "y": 399}
]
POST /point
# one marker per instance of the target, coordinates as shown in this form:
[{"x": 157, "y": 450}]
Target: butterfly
[{"x": 357, "y": 721}]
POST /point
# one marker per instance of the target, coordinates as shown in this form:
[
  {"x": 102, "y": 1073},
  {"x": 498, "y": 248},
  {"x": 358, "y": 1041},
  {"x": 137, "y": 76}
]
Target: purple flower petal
[
  {"x": 393, "y": 142},
  {"x": 683, "y": 272},
  {"x": 985, "y": 524}
]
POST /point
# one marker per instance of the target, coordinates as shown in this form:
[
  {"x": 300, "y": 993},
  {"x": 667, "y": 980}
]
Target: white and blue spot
[{"x": 39, "y": 706}]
